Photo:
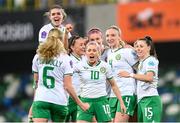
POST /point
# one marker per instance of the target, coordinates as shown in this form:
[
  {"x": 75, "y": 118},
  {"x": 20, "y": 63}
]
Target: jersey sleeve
[
  {"x": 42, "y": 35},
  {"x": 67, "y": 65},
  {"x": 35, "y": 64},
  {"x": 131, "y": 56},
  {"x": 152, "y": 65},
  {"x": 109, "y": 74},
  {"x": 76, "y": 67}
]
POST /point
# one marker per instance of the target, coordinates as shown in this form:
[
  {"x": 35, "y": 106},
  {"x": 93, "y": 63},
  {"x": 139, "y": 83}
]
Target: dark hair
[
  {"x": 149, "y": 42},
  {"x": 71, "y": 42}
]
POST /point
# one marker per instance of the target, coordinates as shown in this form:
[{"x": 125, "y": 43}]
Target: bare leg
[
  {"x": 134, "y": 117},
  {"x": 94, "y": 120},
  {"x": 81, "y": 121},
  {"x": 40, "y": 120},
  {"x": 119, "y": 117}
]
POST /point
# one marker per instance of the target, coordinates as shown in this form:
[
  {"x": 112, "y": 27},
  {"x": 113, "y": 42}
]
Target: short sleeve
[
  {"x": 109, "y": 73},
  {"x": 67, "y": 65},
  {"x": 35, "y": 64},
  {"x": 131, "y": 56},
  {"x": 42, "y": 35},
  {"x": 152, "y": 65}
]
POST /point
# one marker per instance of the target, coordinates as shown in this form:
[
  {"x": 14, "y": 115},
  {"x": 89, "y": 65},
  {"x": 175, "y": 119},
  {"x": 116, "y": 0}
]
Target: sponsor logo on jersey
[
  {"x": 43, "y": 34},
  {"x": 151, "y": 63}
]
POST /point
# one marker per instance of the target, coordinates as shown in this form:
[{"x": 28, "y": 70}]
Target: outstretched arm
[{"x": 65, "y": 40}]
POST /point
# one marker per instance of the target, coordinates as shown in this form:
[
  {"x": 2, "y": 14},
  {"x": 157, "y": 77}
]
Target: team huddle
[{"x": 79, "y": 79}]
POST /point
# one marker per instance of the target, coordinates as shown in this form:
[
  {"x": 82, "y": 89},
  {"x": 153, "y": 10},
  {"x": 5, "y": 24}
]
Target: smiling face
[
  {"x": 112, "y": 38},
  {"x": 142, "y": 49},
  {"x": 92, "y": 53},
  {"x": 56, "y": 16},
  {"x": 79, "y": 47}
]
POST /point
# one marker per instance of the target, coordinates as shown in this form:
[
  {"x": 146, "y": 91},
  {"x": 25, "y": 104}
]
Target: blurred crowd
[
  {"x": 14, "y": 5},
  {"x": 15, "y": 97}
]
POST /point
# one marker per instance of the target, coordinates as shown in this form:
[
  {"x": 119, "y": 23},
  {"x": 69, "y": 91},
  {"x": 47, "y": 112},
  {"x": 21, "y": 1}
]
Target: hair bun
[{"x": 148, "y": 38}]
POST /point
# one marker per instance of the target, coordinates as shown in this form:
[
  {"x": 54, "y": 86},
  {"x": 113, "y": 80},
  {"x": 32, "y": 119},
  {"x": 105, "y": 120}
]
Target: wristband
[{"x": 131, "y": 75}]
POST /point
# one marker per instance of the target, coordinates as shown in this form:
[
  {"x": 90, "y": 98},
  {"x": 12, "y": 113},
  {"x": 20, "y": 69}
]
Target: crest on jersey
[
  {"x": 43, "y": 34},
  {"x": 102, "y": 69},
  {"x": 118, "y": 57}
]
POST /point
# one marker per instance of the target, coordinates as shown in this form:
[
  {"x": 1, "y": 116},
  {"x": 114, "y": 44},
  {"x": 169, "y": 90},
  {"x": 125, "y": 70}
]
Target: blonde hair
[
  {"x": 121, "y": 43},
  {"x": 116, "y": 28},
  {"x": 51, "y": 48},
  {"x": 96, "y": 44},
  {"x": 56, "y": 33}
]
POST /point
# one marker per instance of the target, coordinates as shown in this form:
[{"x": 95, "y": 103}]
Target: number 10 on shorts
[{"x": 106, "y": 109}]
